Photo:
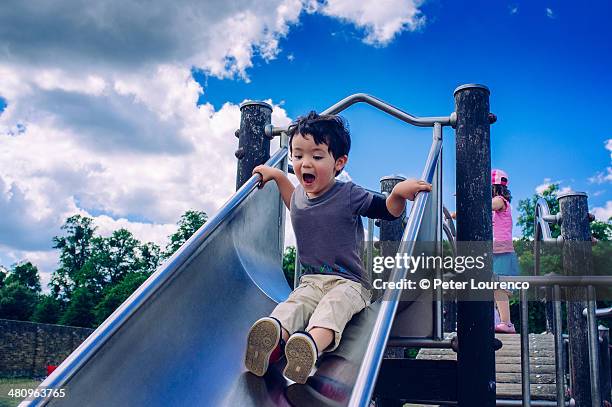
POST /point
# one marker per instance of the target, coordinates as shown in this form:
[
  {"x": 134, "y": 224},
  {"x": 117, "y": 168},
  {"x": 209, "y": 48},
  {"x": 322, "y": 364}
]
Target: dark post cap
[
  {"x": 255, "y": 102},
  {"x": 472, "y": 86},
  {"x": 392, "y": 177},
  {"x": 571, "y": 193}
]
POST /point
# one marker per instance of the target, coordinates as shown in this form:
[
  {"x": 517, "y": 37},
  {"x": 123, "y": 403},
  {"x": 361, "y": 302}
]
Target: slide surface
[{"x": 184, "y": 343}]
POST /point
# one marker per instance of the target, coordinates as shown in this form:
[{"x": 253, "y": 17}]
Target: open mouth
[{"x": 308, "y": 179}]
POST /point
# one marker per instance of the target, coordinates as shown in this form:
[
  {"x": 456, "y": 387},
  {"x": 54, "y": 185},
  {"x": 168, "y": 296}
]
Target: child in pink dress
[{"x": 505, "y": 262}]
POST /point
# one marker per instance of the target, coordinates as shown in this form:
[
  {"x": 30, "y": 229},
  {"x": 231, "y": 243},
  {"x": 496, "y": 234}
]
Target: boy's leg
[
  {"x": 296, "y": 310},
  {"x": 345, "y": 299},
  {"x": 268, "y": 335}
]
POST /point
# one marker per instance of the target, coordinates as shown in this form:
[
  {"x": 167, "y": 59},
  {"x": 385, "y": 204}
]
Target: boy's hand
[
  {"x": 267, "y": 174},
  {"x": 409, "y": 188}
]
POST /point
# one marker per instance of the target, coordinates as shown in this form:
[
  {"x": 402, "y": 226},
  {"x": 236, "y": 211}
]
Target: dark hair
[
  {"x": 501, "y": 190},
  {"x": 325, "y": 129}
]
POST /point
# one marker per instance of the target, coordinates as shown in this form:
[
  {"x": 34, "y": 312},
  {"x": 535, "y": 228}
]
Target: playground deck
[{"x": 508, "y": 365}]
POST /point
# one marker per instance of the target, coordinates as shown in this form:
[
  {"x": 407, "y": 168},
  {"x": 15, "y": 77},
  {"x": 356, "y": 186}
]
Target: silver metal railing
[
  {"x": 364, "y": 385},
  {"x": 450, "y": 120},
  {"x": 542, "y": 233}
]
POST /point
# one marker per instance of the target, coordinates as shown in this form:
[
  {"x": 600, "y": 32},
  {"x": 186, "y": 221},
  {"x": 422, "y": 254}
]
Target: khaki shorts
[{"x": 324, "y": 301}]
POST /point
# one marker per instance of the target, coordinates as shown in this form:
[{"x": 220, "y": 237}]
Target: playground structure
[{"x": 179, "y": 339}]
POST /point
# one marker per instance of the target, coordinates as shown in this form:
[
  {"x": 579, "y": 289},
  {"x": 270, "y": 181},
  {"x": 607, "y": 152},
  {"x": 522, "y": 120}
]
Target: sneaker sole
[
  {"x": 301, "y": 359},
  {"x": 263, "y": 338}
]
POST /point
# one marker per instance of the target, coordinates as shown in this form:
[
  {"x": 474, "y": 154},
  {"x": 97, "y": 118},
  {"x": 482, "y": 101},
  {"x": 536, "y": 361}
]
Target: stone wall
[{"x": 26, "y": 348}]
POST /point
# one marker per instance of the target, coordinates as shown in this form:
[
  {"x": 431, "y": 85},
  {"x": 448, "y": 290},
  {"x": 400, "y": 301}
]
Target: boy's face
[{"x": 314, "y": 165}]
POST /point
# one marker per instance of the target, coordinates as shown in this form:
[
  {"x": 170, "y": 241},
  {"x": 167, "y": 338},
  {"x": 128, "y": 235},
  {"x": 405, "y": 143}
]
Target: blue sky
[
  {"x": 547, "y": 65},
  {"x": 126, "y": 113}
]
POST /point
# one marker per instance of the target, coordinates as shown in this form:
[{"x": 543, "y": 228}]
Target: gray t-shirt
[{"x": 329, "y": 232}]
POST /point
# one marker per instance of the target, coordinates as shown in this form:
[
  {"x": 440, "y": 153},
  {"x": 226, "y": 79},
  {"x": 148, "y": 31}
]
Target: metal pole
[
  {"x": 593, "y": 346},
  {"x": 437, "y": 204},
  {"x": 370, "y": 249},
  {"x": 476, "y": 358},
  {"x": 390, "y": 231},
  {"x": 604, "y": 364},
  {"x": 253, "y": 145},
  {"x": 558, "y": 329},
  {"x": 390, "y": 235},
  {"x": 577, "y": 261},
  {"x": 525, "y": 379}
]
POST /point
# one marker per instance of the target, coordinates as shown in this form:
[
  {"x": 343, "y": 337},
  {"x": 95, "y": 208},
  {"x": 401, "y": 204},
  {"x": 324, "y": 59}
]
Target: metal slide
[{"x": 180, "y": 338}]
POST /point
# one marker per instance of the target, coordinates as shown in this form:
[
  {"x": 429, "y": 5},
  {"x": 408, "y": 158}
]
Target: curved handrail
[
  {"x": 448, "y": 226},
  {"x": 348, "y": 101},
  {"x": 541, "y": 231},
  {"x": 364, "y": 385},
  {"x": 187, "y": 251},
  {"x": 449, "y": 220}
]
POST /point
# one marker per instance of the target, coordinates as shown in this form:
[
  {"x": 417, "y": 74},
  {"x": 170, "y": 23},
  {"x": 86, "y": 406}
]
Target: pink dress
[{"x": 502, "y": 229}]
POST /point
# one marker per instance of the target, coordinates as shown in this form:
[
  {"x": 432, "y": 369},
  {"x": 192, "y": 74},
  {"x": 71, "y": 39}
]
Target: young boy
[{"x": 326, "y": 218}]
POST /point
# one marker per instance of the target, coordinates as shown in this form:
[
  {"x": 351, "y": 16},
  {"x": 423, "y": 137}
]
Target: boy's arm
[
  {"x": 284, "y": 185},
  {"x": 408, "y": 189}
]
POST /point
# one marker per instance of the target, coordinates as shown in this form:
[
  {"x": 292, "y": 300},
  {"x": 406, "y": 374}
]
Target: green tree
[
  {"x": 3, "y": 273},
  {"x": 112, "y": 258},
  {"x": 289, "y": 264},
  {"x": 48, "y": 310},
  {"x": 149, "y": 257},
  {"x": 75, "y": 250},
  {"x": 188, "y": 224},
  {"x": 25, "y": 274},
  {"x": 526, "y": 210},
  {"x": 117, "y": 294},
  {"x": 79, "y": 311},
  {"x": 17, "y": 301},
  {"x": 602, "y": 230}
]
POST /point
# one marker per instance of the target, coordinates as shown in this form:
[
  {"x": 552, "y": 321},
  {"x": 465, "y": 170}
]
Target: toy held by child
[{"x": 326, "y": 218}]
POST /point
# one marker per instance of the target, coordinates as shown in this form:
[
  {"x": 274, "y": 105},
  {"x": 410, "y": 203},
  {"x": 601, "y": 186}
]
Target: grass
[{"x": 17, "y": 383}]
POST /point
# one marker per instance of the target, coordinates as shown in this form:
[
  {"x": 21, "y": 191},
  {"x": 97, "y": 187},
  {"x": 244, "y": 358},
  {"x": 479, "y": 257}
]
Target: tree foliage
[
  {"x": 19, "y": 291},
  {"x": 79, "y": 311},
  {"x": 118, "y": 293},
  {"x": 289, "y": 264},
  {"x": 48, "y": 310},
  {"x": 188, "y": 224},
  {"x": 526, "y": 209},
  {"x": 601, "y": 230},
  {"x": 75, "y": 250}
]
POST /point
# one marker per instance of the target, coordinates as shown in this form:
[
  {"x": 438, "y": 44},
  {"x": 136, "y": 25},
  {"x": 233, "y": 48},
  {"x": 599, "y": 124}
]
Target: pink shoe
[{"x": 505, "y": 328}]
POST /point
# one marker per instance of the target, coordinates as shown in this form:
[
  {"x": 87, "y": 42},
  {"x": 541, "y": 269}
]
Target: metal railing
[
  {"x": 543, "y": 233},
  {"x": 364, "y": 385}
]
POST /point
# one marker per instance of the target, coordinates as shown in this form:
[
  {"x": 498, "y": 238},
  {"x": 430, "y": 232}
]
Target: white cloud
[
  {"x": 547, "y": 183},
  {"x": 550, "y": 13},
  {"x": 543, "y": 186},
  {"x": 102, "y": 116},
  {"x": 513, "y": 9},
  {"x": 603, "y": 213},
  {"x": 382, "y": 21},
  {"x": 602, "y": 177}
]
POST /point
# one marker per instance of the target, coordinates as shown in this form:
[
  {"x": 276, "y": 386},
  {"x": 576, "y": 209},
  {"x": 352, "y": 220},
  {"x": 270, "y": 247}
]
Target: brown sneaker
[
  {"x": 264, "y": 345},
  {"x": 301, "y": 353}
]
